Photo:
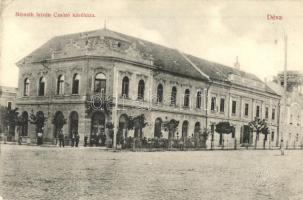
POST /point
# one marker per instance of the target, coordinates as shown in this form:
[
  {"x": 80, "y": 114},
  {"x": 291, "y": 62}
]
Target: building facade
[
  {"x": 69, "y": 73},
  {"x": 291, "y": 108}
]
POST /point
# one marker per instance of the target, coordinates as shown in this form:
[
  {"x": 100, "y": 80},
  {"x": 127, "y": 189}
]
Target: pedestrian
[
  {"x": 103, "y": 139},
  {"x": 85, "y": 140},
  {"x": 73, "y": 138},
  {"x": 77, "y": 138},
  {"x": 39, "y": 139},
  {"x": 4, "y": 137},
  {"x": 282, "y": 147},
  {"x": 19, "y": 136},
  {"x": 61, "y": 138}
]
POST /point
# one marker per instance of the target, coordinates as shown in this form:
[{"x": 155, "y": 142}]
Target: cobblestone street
[{"x": 91, "y": 173}]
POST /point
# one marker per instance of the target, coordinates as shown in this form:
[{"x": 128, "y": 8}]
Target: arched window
[
  {"x": 197, "y": 128},
  {"x": 125, "y": 87},
  {"x": 40, "y": 121},
  {"x": 41, "y": 91},
  {"x": 160, "y": 93},
  {"x": 60, "y": 85},
  {"x": 76, "y": 84},
  {"x": 100, "y": 84},
  {"x": 157, "y": 130},
  {"x": 173, "y": 98},
  {"x": 141, "y": 88},
  {"x": 186, "y": 98},
  {"x": 199, "y": 100},
  {"x": 58, "y": 122},
  {"x": 26, "y": 87},
  {"x": 184, "y": 129}
]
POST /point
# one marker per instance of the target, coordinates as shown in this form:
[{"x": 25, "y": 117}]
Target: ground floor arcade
[{"x": 96, "y": 125}]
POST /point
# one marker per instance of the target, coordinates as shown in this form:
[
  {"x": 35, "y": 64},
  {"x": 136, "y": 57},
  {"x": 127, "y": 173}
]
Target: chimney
[{"x": 237, "y": 64}]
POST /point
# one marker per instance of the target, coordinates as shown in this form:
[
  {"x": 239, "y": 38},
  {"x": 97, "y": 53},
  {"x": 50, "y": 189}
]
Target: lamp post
[{"x": 115, "y": 111}]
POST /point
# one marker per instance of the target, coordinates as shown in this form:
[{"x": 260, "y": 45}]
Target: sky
[{"x": 218, "y": 31}]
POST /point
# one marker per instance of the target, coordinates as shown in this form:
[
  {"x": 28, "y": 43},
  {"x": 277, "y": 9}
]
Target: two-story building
[{"x": 140, "y": 77}]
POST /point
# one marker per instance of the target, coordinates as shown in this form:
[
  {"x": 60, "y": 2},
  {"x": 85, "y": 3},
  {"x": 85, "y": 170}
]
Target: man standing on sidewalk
[
  {"x": 61, "y": 138},
  {"x": 77, "y": 139}
]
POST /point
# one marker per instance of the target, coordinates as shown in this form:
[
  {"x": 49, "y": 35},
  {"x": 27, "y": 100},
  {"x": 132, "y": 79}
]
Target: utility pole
[
  {"x": 285, "y": 90},
  {"x": 115, "y": 121}
]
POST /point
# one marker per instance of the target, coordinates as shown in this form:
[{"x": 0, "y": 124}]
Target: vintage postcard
[{"x": 151, "y": 99}]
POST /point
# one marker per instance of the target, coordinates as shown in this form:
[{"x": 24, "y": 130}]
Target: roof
[
  {"x": 8, "y": 89},
  {"x": 164, "y": 58},
  {"x": 276, "y": 87}
]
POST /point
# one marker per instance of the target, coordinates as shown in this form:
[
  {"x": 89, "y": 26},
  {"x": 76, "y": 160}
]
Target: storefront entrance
[
  {"x": 247, "y": 135},
  {"x": 98, "y": 135}
]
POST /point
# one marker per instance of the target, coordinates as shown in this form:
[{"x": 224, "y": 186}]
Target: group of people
[
  {"x": 75, "y": 137},
  {"x": 98, "y": 140}
]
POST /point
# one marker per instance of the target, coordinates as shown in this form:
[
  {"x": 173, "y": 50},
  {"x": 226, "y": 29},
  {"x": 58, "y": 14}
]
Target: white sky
[{"x": 215, "y": 30}]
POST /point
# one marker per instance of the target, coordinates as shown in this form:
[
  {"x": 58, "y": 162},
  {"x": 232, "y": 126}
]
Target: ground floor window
[
  {"x": 184, "y": 129},
  {"x": 157, "y": 130},
  {"x": 197, "y": 128}
]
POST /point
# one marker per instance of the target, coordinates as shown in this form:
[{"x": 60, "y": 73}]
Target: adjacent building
[
  {"x": 7, "y": 99},
  {"x": 291, "y": 107},
  {"x": 8, "y": 96},
  {"x": 66, "y": 75}
]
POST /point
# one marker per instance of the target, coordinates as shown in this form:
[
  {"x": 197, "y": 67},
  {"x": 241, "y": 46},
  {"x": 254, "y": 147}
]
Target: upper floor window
[
  {"x": 160, "y": 93},
  {"x": 234, "y": 107},
  {"x": 213, "y": 104},
  {"x": 76, "y": 84},
  {"x": 100, "y": 84},
  {"x": 246, "y": 109},
  {"x": 258, "y": 111},
  {"x": 125, "y": 87},
  {"x": 141, "y": 89},
  {"x": 9, "y": 105},
  {"x": 41, "y": 90},
  {"x": 266, "y": 113},
  {"x": 173, "y": 98},
  {"x": 26, "y": 87},
  {"x": 199, "y": 99},
  {"x": 186, "y": 98},
  {"x": 222, "y": 104},
  {"x": 60, "y": 85},
  {"x": 273, "y": 114}
]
